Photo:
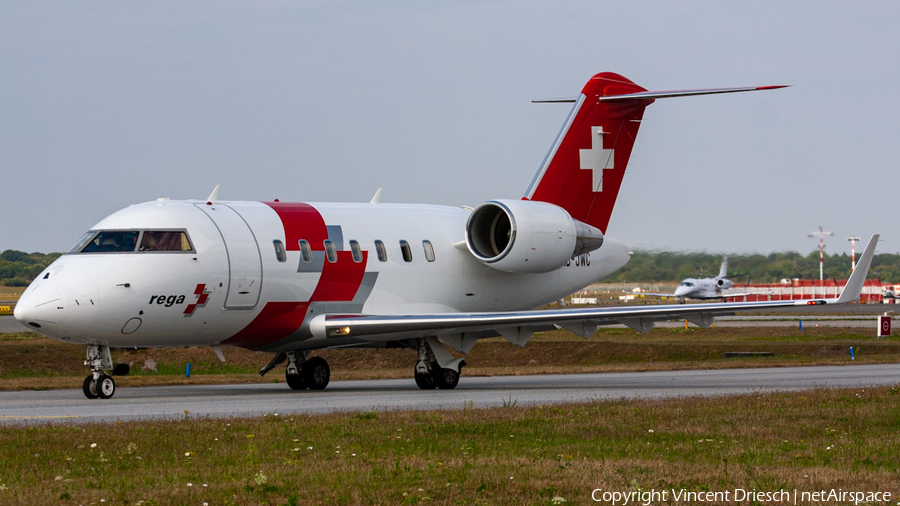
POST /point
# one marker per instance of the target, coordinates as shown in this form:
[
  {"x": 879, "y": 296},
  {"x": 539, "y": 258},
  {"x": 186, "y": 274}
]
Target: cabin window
[
  {"x": 279, "y": 251},
  {"x": 382, "y": 251},
  {"x": 407, "y": 252},
  {"x": 165, "y": 240},
  {"x": 330, "y": 251},
  {"x": 112, "y": 241},
  {"x": 429, "y": 250},
  {"x": 305, "y": 251},
  {"x": 357, "y": 251}
]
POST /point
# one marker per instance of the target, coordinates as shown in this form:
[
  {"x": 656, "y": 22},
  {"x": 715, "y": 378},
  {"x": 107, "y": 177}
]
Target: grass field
[
  {"x": 841, "y": 439},
  {"x": 29, "y": 361}
]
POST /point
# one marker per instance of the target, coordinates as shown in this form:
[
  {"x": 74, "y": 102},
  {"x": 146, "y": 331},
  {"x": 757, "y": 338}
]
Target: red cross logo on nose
[{"x": 202, "y": 297}]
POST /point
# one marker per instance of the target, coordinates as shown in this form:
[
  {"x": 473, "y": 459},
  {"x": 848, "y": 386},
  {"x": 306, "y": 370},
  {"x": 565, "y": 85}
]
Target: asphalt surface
[
  {"x": 9, "y": 325},
  {"x": 180, "y": 402}
]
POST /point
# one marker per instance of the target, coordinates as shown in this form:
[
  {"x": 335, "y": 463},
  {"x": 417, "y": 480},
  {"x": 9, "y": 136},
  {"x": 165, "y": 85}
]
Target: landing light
[{"x": 340, "y": 331}]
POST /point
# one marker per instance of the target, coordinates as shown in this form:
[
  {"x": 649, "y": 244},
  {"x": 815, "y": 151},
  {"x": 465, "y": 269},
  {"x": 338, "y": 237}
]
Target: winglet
[
  {"x": 214, "y": 196},
  {"x": 858, "y": 278}
]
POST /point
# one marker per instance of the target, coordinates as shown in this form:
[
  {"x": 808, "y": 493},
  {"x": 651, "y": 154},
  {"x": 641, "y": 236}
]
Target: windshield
[
  {"x": 107, "y": 241},
  {"x": 127, "y": 241}
]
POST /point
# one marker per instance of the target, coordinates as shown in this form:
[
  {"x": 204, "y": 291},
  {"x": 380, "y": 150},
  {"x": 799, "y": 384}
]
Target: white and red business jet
[{"x": 294, "y": 277}]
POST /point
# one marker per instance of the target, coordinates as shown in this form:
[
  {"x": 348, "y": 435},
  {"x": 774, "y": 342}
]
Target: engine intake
[{"x": 527, "y": 236}]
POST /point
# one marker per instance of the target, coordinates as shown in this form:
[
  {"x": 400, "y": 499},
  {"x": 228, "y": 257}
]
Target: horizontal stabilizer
[{"x": 652, "y": 95}]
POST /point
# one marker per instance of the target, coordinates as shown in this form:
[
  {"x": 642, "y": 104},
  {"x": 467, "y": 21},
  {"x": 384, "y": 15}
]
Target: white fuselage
[
  {"x": 703, "y": 288},
  {"x": 235, "y": 285}
]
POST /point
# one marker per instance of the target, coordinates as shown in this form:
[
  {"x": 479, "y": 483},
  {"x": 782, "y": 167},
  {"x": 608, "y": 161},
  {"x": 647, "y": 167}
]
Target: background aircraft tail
[
  {"x": 723, "y": 270},
  {"x": 583, "y": 171}
]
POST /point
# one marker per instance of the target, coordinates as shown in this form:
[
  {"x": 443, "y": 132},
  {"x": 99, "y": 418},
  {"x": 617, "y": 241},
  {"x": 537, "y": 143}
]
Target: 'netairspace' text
[{"x": 647, "y": 497}]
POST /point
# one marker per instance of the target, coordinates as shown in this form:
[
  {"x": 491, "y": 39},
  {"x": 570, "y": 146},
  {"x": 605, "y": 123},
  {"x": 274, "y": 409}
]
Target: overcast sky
[{"x": 106, "y": 104}]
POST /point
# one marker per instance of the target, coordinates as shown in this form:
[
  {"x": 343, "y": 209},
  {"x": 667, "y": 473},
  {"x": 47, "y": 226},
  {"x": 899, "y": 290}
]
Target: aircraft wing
[{"x": 461, "y": 330}]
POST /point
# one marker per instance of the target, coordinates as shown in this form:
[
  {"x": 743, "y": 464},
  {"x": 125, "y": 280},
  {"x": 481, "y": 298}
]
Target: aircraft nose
[{"x": 42, "y": 306}]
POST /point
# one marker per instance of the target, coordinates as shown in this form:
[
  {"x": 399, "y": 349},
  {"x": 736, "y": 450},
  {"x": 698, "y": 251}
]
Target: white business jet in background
[
  {"x": 290, "y": 278},
  {"x": 705, "y": 288}
]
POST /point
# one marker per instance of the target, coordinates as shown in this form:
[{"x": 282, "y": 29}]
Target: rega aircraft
[{"x": 290, "y": 278}]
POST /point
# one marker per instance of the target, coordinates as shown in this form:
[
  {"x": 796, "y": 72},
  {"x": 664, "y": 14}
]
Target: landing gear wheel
[
  {"x": 296, "y": 381},
  {"x": 90, "y": 388},
  {"x": 445, "y": 379},
  {"x": 317, "y": 373},
  {"x": 106, "y": 387},
  {"x": 425, "y": 381}
]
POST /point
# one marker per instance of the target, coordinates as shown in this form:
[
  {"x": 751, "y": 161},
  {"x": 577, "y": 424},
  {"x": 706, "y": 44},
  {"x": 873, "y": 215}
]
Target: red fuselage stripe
[{"x": 339, "y": 281}]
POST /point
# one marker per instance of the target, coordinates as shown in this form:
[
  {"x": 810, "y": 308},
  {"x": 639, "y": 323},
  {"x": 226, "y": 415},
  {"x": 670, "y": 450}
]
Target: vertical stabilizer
[
  {"x": 723, "y": 270},
  {"x": 583, "y": 171}
]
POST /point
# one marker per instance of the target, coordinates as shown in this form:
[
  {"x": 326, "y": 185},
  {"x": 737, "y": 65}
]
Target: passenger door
[{"x": 244, "y": 260}]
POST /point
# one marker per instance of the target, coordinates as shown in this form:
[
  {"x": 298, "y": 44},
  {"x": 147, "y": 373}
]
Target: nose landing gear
[{"x": 98, "y": 384}]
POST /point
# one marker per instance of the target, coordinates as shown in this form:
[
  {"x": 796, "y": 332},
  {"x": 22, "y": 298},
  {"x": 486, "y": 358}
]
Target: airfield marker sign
[{"x": 884, "y": 325}]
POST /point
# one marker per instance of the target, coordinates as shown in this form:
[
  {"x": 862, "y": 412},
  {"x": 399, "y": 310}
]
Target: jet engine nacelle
[{"x": 527, "y": 236}]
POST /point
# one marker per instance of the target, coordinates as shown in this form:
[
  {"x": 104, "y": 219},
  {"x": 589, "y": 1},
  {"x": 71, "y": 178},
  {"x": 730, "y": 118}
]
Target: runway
[
  {"x": 9, "y": 325},
  {"x": 180, "y": 402}
]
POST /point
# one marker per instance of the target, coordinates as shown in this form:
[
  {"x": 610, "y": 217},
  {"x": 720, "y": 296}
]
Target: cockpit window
[
  {"x": 687, "y": 283},
  {"x": 129, "y": 241},
  {"x": 110, "y": 241},
  {"x": 163, "y": 240},
  {"x": 84, "y": 240}
]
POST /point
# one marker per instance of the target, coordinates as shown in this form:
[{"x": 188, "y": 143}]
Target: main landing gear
[
  {"x": 429, "y": 374},
  {"x": 301, "y": 373},
  {"x": 99, "y": 384}
]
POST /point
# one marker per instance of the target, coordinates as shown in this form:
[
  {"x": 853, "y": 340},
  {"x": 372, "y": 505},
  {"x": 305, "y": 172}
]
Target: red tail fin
[{"x": 583, "y": 171}]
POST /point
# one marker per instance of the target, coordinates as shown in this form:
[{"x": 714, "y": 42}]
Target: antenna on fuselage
[
  {"x": 377, "y": 198},
  {"x": 214, "y": 196}
]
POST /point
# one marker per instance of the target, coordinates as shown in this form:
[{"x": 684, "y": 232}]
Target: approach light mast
[{"x": 821, "y": 233}]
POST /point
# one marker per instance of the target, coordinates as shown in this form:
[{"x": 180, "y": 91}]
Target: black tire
[
  {"x": 106, "y": 387},
  {"x": 90, "y": 388},
  {"x": 425, "y": 381},
  {"x": 296, "y": 381},
  {"x": 316, "y": 373},
  {"x": 446, "y": 379}
]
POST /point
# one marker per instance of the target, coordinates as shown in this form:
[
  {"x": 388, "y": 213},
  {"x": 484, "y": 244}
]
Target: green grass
[{"x": 814, "y": 440}]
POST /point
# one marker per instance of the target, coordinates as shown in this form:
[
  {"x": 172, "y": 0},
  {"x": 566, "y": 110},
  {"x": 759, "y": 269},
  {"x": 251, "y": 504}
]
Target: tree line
[{"x": 18, "y": 268}]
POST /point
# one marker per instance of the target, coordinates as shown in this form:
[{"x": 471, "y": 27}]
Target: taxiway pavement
[
  {"x": 180, "y": 402},
  {"x": 9, "y": 325}
]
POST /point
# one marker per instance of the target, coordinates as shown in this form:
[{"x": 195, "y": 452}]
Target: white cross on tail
[{"x": 596, "y": 159}]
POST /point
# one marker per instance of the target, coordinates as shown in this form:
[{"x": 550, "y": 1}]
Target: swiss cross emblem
[
  {"x": 596, "y": 159},
  {"x": 202, "y": 296}
]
